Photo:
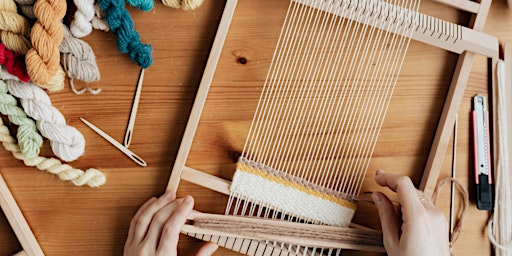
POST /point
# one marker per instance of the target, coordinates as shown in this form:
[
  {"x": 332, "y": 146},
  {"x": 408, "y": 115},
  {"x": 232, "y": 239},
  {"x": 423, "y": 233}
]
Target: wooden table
[{"x": 70, "y": 220}]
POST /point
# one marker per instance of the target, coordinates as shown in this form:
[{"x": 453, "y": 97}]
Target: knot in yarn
[
  {"x": 81, "y": 24},
  {"x": 77, "y": 58},
  {"x": 43, "y": 60},
  {"x": 14, "y": 28},
  {"x": 29, "y": 139},
  {"x": 183, "y": 4},
  {"x": 128, "y": 40},
  {"x": 14, "y": 63},
  {"x": 66, "y": 141}
]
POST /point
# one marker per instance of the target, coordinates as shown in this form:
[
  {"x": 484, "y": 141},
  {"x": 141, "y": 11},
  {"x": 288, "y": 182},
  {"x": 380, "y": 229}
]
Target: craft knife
[{"x": 482, "y": 154}]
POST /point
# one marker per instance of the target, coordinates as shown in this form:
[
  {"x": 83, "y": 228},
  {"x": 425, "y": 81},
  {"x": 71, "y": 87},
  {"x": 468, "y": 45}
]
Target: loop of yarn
[
  {"x": 27, "y": 8},
  {"x": 14, "y": 63},
  {"x": 14, "y": 28},
  {"x": 128, "y": 40},
  {"x": 91, "y": 177},
  {"x": 99, "y": 22},
  {"x": 43, "y": 60},
  {"x": 77, "y": 58},
  {"x": 66, "y": 141},
  {"x": 81, "y": 24},
  {"x": 28, "y": 137},
  {"x": 183, "y": 4},
  {"x": 143, "y": 5}
]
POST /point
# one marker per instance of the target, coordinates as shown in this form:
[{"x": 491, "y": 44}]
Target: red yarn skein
[{"x": 14, "y": 63}]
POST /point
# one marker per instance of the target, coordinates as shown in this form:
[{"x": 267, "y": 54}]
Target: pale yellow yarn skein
[
  {"x": 15, "y": 28},
  {"x": 43, "y": 60},
  {"x": 183, "y": 4}
]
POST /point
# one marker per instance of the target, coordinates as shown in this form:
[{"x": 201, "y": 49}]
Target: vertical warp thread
[
  {"x": 27, "y": 8},
  {"x": 66, "y": 141},
  {"x": 183, "y": 4},
  {"x": 29, "y": 139},
  {"x": 128, "y": 40},
  {"x": 43, "y": 60},
  {"x": 91, "y": 177},
  {"x": 15, "y": 29},
  {"x": 81, "y": 25},
  {"x": 14, "y": 63},
  {"x": 78, "y": 59}
]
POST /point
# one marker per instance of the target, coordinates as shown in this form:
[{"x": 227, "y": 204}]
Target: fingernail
[
  {"x": 379, "y": 172},
  {"x": 188, "y": 200},
  {"x": 168, "y": 195},
  {"x": 377, "y": 197}
]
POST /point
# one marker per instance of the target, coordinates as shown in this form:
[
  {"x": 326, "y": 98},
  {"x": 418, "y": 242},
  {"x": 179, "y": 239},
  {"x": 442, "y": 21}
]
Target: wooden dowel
[
  {"x": 17, "y": 221},
  {"x": 463, "y": 5},
  {"x": 21, "y": 253}
]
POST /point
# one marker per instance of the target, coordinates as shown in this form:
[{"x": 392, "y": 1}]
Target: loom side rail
[{"x": 18, "y": 223}]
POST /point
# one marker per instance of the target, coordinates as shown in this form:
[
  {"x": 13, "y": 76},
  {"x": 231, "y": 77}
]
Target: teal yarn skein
[
  {"x": 128, "y": 40},
  {"x": 143, "y": 5}
]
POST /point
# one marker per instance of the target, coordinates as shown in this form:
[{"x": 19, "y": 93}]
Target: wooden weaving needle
[
  {"x": 133, "y": 113},
  {"x": 116, "y": 144}
]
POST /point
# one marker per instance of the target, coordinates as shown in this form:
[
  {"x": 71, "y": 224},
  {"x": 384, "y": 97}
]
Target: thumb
[
  {"x": 207, "y": 249},
  {"x": 388, "y": 220}
]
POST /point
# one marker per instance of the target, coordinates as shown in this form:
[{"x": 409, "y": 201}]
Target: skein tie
[
  {"x": 66, "y": 141},
  {"x": 91, "y": 177},
  {"x": 14, "y": 63},
  {"x": 28, "y": 137},
  {"x": 128, "y": 40},
  {"x": 43, "y": 59},
  {"x": 81, "y": 25},
  {"x": 15, "y": 29}
]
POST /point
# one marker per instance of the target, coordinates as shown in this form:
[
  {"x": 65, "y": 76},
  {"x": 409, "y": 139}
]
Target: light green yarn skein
[{"x": 29, "y": 139}]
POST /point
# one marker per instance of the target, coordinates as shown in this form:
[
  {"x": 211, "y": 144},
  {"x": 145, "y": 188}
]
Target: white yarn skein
[
  {"x": 81, "y": 25},
  {"x": 66, "y": 141}
]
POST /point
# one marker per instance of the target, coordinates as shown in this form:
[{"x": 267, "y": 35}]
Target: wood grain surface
[{"x": 70, "y": 220}]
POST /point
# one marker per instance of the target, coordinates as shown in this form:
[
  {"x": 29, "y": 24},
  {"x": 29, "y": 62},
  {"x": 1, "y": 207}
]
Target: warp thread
[
  {"x": 15, "y": 29},
  {"x": 43, "y": 60},
  {"x": 27, "y": 8},
  {"x": 29, "y": 139},
  {"x": 14, "y": 63},
  {"x": 81, "y": 25},
  {"x": 66, "y": 141},
  {"x": 98, "y": 21},
  {"x": 91, "y": 177},
  {"x": 183, "y": 4},
  {"x": 128, "y": 40},
  {"x": 78, "y": 60}
]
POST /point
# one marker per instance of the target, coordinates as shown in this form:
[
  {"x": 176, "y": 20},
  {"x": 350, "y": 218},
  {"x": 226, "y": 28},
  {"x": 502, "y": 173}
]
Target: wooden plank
[
  {"x": 202, "y": 93},
  {"x": 18, "y": 223},
  {"x": 464, "y": 5}
]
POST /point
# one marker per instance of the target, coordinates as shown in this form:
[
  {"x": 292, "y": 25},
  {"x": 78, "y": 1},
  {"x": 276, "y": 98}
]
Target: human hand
[
  {"x": 416, "y": 227},
  {"x": 155, "y": 228}
]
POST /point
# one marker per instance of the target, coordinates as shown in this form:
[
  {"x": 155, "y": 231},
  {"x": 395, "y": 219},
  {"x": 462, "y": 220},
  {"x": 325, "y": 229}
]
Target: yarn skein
[
  {"x": 27, "y": 8},
  {"x": 91, "y": 177},
  {"x": 14, "y": 28},
  {"x": 81, "y": 24},
  {"x": 66, "y": 141},
  {"x": 28, "y": 137},
  {"x": 99, "y": 22},
  {"x": 77, "y": 58},
  {"x": 14, "y": 63},
  {"x": 186, "y": 5},
  {"x": 128, "y": 40},
  {"x": 43, "y": 59},
  {"x": 143, "y": 5}
]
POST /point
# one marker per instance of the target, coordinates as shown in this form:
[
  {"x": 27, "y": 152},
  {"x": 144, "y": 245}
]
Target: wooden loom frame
[
  {"x": 484, "y": 44},
  {"x": 18, "y": 223}
]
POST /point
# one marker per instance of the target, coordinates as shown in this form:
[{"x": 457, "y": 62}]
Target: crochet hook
[
  {"x": 133, "y": 113},
  {"x": 116, "y": 144}
]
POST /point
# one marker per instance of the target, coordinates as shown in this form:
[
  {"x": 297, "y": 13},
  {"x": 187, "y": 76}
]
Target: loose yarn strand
[
  {"x": 81, "y": 25},
  {"x": 91, "y": 177},
  {"x": 128, "y": 40},
  {"x": 46, "y": 35},
  {"x": 14, "y": 28},
  {"x": 66, "y": 141},
  {"x": 29, "y": 139}
]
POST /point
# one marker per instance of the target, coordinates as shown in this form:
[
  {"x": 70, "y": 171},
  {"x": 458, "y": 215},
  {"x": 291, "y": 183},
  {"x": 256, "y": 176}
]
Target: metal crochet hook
[
  {"x": 116, "y": 144},
  {"x": 133, "y": 113}
]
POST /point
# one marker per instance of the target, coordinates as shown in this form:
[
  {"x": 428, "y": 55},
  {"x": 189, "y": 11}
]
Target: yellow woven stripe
[{"x": 285, "y": 182}]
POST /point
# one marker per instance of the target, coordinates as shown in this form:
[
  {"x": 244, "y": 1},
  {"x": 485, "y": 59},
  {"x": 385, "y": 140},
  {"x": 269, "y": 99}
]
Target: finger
[
  {"x": 131, "y": 230},
  {"x": 388, "y": 219},
  {"x": 207, "y": 249},
  {"x": 157, "y": 223},
  {"x": 142, "y": 220},
  {"x": 172, "y": 228},
  {"x": 406, "y": 192}
]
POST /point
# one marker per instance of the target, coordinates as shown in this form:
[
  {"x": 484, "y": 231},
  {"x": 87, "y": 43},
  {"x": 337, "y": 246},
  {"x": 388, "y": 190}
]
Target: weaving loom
[{"x": 318, "y": 119}]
